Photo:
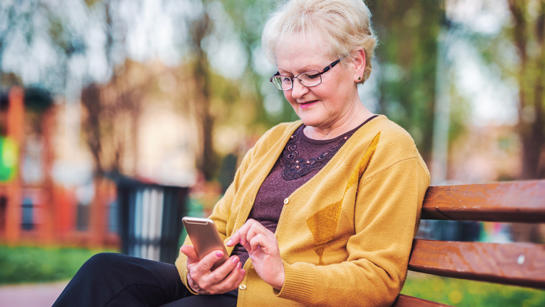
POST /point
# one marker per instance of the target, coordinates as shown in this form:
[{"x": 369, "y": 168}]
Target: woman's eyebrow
[{"x": 303, "y": 69}]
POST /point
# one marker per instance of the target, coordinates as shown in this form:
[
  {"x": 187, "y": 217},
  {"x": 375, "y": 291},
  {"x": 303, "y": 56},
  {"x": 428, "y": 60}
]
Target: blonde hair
[{"x": 345, "y": 24}]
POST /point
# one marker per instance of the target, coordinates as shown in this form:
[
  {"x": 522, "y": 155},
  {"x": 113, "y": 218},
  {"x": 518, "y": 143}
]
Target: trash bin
[{"x": 150, "y": 219}]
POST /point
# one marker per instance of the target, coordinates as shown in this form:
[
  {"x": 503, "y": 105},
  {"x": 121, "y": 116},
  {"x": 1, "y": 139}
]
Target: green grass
[
  {"x": 38, "y": 264},
  {"x": 458, "y": 292}
]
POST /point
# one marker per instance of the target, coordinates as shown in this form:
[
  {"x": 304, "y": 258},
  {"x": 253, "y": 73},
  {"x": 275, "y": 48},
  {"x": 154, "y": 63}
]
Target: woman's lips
[{"x": 307, "y": 104}]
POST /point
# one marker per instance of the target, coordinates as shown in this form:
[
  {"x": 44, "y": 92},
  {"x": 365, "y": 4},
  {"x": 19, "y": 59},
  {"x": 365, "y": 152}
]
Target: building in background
[{"x": 58, "y": 195}]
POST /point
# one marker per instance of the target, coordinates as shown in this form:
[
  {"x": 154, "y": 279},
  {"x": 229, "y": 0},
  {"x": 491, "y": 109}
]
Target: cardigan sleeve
[
  {"x": 386, "y": 215},
  {"x": 220, "y": 215}
]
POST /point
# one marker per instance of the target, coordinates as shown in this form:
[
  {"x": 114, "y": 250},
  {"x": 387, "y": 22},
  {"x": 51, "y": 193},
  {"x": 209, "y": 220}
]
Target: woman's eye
[{"x": 312, "y": 76}]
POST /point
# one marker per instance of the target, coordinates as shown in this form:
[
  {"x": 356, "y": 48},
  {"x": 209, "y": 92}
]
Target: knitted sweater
[{"x": 345, "y": 235}]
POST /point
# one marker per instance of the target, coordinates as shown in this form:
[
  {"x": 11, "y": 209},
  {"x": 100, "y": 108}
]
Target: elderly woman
[{"x": 322, "y": 211}]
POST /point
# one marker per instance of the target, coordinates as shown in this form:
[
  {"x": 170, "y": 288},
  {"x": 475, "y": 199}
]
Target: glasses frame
[{"x": 319, "y": 74}]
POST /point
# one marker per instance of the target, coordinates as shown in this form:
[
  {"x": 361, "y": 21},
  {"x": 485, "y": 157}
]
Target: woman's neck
[{"x": 357, "y": 115}]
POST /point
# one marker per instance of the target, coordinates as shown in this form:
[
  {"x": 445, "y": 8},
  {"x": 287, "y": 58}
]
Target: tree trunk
[
  {"x": 90, "y": 98},
  {"x": 529, "y": 33},
  {"x": 207, "y": 162}
]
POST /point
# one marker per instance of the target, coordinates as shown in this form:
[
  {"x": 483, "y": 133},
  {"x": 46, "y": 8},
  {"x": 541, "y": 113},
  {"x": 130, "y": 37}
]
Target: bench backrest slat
[
  {"x": 507, "y": 263},
  {"x": 517, "y": 201},
  {"x": 521, "y": 264}
]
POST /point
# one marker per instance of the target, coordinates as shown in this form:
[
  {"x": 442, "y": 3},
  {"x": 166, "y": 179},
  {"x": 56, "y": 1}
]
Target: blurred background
[{"x": 117, "y": 117}]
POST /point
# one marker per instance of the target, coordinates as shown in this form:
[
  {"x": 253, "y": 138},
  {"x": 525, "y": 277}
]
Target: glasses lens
[
  {"x": 282, "y": 82},
  {"x": 311, "y": 78}
]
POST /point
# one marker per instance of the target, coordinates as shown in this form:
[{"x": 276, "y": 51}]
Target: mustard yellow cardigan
[{"x": 345, "y": 235}]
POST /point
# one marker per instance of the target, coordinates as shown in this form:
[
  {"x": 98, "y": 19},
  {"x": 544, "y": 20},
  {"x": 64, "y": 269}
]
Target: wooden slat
[
  {"x": 520, "y": 264},
  {"x": 411, "y": 301},
  {"x": 517, "y": 201}
]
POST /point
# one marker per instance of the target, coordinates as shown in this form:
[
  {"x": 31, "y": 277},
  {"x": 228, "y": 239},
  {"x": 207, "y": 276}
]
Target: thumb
[{"x": 190, "y": 252}]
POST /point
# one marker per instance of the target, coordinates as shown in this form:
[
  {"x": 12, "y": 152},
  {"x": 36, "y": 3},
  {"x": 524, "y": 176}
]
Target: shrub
[{"x": 38, "y": 264}]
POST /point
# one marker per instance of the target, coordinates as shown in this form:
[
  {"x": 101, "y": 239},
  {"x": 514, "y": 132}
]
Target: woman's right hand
[{"x": 203, "y": 280}]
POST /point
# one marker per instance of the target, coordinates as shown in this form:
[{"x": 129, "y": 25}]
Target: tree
[
  {"x": 200, "y": 27},
  {"x": 248, "y": 17},
  {"x": 528, "y": 36},
  {"x": 407, "y": 55}
]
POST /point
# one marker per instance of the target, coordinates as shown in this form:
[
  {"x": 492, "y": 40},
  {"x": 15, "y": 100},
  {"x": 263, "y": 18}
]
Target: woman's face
[{"x": 324, "y": 105}]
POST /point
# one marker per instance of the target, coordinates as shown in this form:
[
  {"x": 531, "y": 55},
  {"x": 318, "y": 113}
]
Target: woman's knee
[
  {"x": 102, "y": 263},
  {"x": 101, "y": 259}
]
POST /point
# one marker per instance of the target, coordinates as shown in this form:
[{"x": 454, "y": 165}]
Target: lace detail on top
[{"x": 296, "y": 167}]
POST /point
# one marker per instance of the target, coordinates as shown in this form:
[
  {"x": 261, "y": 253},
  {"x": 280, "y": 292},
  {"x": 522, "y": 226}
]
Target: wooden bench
[{"x": 521, "y": 264}]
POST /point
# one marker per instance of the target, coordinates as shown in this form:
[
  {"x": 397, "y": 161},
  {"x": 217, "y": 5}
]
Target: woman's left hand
[{"x": 263, "y": 249}]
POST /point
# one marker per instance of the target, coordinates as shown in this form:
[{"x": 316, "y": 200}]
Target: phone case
[{"x": 204, "y": 236}]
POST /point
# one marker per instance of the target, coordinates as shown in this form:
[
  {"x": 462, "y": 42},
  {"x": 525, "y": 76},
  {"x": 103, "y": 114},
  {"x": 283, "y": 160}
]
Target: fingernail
[
  {"x": 234, "y": 259},
  {"x": 219, "y": 254},
  {"x": 229, "y": 242}
]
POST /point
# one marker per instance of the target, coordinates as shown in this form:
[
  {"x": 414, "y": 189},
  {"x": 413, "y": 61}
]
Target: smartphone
[{"x": 204, "y": 237}]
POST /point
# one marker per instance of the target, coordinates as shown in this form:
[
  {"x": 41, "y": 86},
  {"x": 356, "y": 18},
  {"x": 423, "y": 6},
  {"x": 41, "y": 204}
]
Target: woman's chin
[
  {"x": 310, "y": 121},
  {"x": 310, "y": 117}
]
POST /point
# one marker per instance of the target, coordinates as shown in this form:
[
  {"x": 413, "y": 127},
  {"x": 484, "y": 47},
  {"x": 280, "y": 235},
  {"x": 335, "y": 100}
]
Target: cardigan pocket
[{"x": 323, "y": 225}]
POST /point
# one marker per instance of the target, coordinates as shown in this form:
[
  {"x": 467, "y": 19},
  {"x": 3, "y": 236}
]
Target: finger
[
  {"x": 234, "y": 239},
  {"x": 253, "y": 227},
  {"x": 207, "y": 262},
  {"x": 240, "y": 273},
  {"x": 244, "y": 242},
  {"x": 190, "y": 252},
  {"x": 221, "y": 272},
  {"x": 246, "y": 246},
  {"x": 258, "y": 241},
  {"x": 199, "y": 270},
  {"x": 255, "y": 231},
  {"x": 239, "y": 234},
  {"x": 232, "y": 280}
]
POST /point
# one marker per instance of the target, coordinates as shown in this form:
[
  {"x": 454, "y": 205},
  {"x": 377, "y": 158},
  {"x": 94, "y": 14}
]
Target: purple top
[{"x": 301, "y": 159}]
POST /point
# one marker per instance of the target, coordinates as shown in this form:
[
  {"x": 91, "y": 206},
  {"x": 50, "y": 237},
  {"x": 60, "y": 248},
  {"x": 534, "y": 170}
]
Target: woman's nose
[{"x": 298, "y": 90}]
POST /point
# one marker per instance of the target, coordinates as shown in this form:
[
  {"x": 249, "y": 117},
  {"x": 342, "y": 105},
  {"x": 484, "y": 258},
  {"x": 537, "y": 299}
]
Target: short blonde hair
[{"x": 345, "y": 24}]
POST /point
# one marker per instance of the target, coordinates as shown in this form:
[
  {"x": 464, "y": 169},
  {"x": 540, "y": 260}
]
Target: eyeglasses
[{"x": 308, "y": 79}]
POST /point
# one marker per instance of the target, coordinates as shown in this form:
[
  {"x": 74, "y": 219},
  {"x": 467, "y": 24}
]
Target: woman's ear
[{"x": 359, "y": 62}]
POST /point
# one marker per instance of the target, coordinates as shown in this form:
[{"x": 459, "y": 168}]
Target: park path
[{"x": 30, "y": 295}]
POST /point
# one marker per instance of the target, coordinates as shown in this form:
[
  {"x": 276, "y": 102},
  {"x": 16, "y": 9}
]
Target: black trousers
[{"x": 110, "y": 279}]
